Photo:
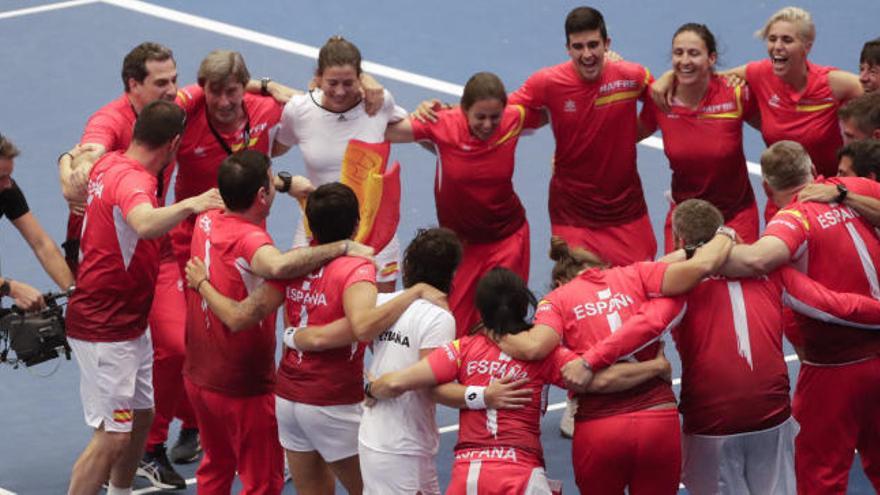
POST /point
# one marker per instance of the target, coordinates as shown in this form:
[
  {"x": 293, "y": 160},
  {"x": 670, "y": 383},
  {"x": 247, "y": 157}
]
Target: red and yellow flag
[{"x": 377, "y": 187}]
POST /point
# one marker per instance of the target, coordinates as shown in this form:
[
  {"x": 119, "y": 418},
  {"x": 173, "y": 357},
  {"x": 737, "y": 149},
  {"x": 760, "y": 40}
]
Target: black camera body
[{"x": 35, "y": 337}]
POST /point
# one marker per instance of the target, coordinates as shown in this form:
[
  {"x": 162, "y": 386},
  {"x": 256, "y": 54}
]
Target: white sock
[{"x": 113, "y": 490}]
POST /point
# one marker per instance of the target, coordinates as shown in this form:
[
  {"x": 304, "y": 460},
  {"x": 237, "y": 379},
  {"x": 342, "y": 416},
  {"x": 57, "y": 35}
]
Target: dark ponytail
[
  {"x": 504, "y": 301},
  {"x": 570, "y": 261}
]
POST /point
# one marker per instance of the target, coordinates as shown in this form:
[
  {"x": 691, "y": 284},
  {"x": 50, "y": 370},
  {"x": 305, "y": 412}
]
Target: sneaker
[
  {"x": 157, "y": 469},
  {"x": 187, "y": 448},
  {"x": 566, "y": 425}
]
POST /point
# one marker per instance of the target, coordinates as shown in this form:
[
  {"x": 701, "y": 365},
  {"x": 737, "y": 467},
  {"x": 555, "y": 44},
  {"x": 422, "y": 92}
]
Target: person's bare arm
[
  {"x": 844, "y": 85},
  {"x": 74, "y": 167},
  {"x": 237, "y": 315},
  {"x": 395, "y": 383},
  {"x": 25, "y": 296},
  {"x": 149, "y": 222},
  {"x": 683, "y": 276},
  {"x": 503, "y": 393},
  {"x": 281, "y": 93},
  {"x": 300, "y": 187},
  {"x": 530, "y": 345},
  {"x": 279, "y": 149},
  {"x": 867, "y": 206},
  {"x": 368, "y": 320},
  {"x": 624, "y": 376},
  {"x": 373, "y": 93},
  {"x": 269, "y": 262},
  {"x": 45, "y": 249},
  {"x": 400, "y": 131},
  {"x": 735, "y": 75},
  {"x": 749, "y": 260},
  {"x": 320, "y": 337}
]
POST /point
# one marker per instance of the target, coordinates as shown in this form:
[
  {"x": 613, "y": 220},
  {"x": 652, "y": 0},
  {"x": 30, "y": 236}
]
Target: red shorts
[
  {"x": 181, "y": 240},
  {"x": 639, "y": 450},
  {"x": 745, "y": 223},
  {"x": 167, "y": 320},
  {"x": 511, "y": 252},
  {"x": 239, "y": 434},
  {"x": 619, "y": 245},
  {"x": 838, "y": 408},
  {"x": 497, "y": 471}
]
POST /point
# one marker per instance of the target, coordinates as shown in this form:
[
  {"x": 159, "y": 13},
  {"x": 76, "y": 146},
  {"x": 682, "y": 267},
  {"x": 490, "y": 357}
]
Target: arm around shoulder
[{"x": 844, "y": 85}]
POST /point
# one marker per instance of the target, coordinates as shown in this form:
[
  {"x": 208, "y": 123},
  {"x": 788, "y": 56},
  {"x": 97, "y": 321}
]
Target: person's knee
[{"x": 115, "y": 443}]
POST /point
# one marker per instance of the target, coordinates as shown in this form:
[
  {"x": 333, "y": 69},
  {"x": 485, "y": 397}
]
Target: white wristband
[
  {"x": 290, "y": 337},
  {"x": 475, "y": 397}
]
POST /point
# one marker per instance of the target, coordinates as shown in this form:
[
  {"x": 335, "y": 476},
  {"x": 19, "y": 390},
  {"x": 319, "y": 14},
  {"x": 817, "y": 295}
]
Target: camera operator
[{"x": 14, "y": 206}]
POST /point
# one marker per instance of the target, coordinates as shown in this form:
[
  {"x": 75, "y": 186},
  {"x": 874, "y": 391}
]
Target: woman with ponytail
[{"x": 498, "y": 450}]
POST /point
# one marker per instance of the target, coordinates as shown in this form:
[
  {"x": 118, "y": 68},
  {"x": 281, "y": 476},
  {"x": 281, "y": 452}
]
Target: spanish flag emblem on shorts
[{"x": 122, "y": 415}]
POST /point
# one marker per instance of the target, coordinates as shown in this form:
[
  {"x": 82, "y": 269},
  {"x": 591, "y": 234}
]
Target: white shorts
[
  {"x": 115, "y": 379},
  {"x": 754, "y": 462},
  {"x": 385, "y": 473},
  {"x": 387, "y": 260},
  {"x": 332, "y": 431}
]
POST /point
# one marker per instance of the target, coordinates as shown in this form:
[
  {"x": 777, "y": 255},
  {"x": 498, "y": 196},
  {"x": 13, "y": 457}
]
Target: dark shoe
[
  {"x": 187, "y": 448},
  {"x": 158, "y": 470}
]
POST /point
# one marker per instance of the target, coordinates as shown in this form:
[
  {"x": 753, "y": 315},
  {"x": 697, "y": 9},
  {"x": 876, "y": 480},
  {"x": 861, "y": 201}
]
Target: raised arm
[
  {"x": 149, "y": 222},
  {"x": 73, "y": 168},
  {"x": 759, "y": 258},
  {"x": 683, "y": 276},
  {"x": 867, "y": 206},
  {"x": 267, "y": 87},
  {"x": 844, "y": 85},
  {"x": 400, "y": 131}
]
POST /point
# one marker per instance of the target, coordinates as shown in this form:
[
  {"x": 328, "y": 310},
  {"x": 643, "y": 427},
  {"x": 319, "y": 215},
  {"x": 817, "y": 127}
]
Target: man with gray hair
[{"x": 838, "y": 247}]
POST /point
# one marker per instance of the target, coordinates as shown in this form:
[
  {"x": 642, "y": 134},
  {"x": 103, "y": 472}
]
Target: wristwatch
[
  {"x": 264, "y": 86},
  {"x": 842, "y": 191},
  {"x": 725, "y": 230},
  {"x": 286, "y": 180},
  {"x": 5, "y": 289}
]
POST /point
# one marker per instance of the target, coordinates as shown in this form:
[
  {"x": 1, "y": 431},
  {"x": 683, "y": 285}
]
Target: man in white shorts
[{"x": 107, "y": 313}]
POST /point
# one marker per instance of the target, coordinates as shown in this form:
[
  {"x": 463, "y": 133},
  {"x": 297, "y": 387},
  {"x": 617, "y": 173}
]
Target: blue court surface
[{"x": 61, "y": 62}]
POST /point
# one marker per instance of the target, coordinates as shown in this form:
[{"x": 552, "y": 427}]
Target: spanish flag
[{"x": 377, "y": 187}]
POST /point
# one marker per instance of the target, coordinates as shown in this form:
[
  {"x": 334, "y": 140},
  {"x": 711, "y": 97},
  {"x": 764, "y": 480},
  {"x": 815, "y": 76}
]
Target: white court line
[
  {"x": 285, "y": 46},
  {"x": 312, "y": 52},
  {"x": 6, "y": 492},
  {"x": 277, "y": 43},
  {"x": 44, "y": 8}
]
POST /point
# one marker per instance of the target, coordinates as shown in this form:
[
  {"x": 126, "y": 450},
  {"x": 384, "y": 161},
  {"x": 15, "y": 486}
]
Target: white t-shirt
[
  {"x": 406, "y": 424},
  {"x": 323, "y": 135}
]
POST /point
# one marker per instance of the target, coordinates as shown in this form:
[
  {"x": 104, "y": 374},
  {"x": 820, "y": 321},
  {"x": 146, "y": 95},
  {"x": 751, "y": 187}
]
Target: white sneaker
[{"x": 566, "y": 425}]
